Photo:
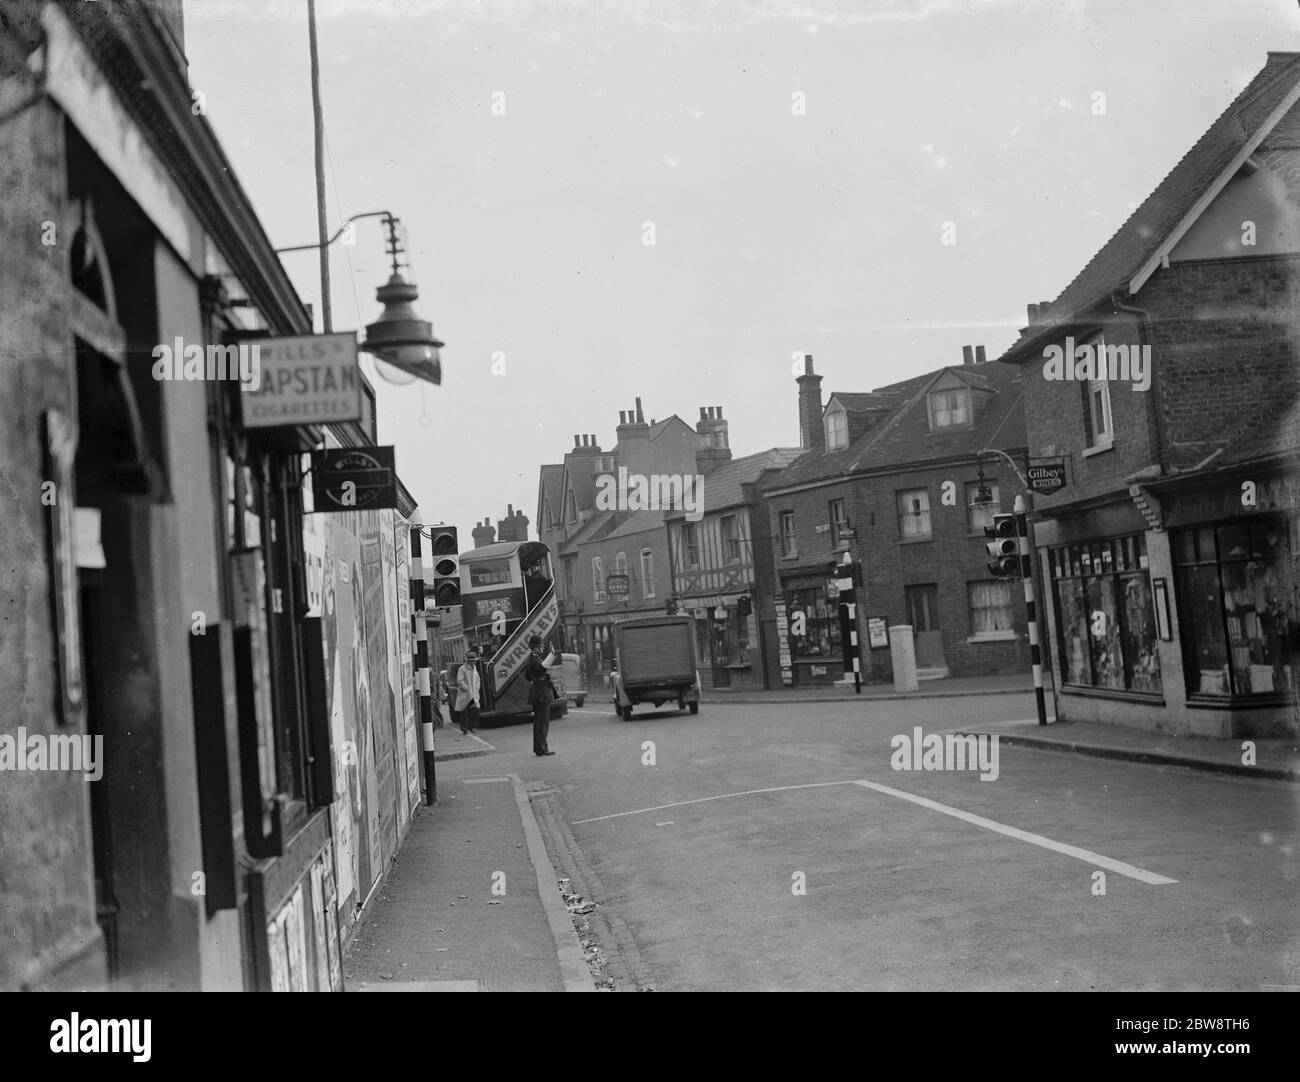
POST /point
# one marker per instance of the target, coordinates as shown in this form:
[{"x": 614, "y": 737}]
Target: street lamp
[
  {"x": 402, "y": 343},
  {"x": 399, "y": 337}
]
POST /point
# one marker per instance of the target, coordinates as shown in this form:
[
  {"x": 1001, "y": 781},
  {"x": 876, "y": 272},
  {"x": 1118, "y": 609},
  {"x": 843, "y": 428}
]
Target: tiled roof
[
  {"x": 722, "y": 486},
  {"x": 637, "y": 522},
  {"x": 857, "y": 402},
  {"x": 1148, "y": 227},
  {"x": 903, "y": 439}
]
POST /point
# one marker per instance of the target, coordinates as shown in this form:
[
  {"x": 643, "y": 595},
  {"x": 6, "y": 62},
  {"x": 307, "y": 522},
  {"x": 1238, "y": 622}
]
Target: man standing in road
[
  {"x": 468, "y": 689},
  {"x": 540, "y": 695}
]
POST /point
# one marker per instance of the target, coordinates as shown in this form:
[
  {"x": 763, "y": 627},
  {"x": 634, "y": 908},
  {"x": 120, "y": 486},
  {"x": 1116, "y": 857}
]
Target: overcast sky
[{"x": 781, "y": 223}]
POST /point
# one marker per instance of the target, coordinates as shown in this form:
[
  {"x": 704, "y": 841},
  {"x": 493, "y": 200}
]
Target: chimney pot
[
  {"x": 807, "y": 364},
  {"x": 967, "y": 355},
  {"x": 704, "y": 413},
  {"x": 622, "y": 417},
  {"x": 575, "y": 442},
  {"x": 640, "y": 417},
  {"x": 980, "y": 357},
  {"x": 719, "y": 413}
]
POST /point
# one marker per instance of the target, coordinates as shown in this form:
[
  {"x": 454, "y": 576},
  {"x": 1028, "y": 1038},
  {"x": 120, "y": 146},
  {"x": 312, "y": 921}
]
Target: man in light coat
[{"x": 468, "y": 692}]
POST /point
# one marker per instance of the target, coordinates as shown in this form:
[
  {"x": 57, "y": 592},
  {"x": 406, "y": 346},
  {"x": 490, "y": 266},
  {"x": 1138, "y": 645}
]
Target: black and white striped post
[
  {"x": 849, "y": 620},
  {"x": 1027, "y": 576},
  {"x": 420, "y": 628}
]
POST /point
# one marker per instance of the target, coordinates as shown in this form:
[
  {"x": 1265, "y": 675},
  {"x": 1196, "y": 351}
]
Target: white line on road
[
  {"x": 705, "y": 799},
  {"x": 1086, "y": 855}
]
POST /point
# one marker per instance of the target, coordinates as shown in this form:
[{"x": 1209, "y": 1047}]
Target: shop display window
[
  {"x": 1237, "y": 603},
  {"x": 1105, "y": 619},
  {"x": 822, "y": 625}
]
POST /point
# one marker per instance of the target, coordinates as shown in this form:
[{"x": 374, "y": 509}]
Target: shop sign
[
  {"x": 354, "y": 479},
  {"x": 832, "y": 589},
  {"x": 825, "y": 527},
  {"x": 1047, "y": 475},
  {"x": 1231, "y": 499},
  {"x": 617, "y": 585},
  {"x": 305, "y": 380}
]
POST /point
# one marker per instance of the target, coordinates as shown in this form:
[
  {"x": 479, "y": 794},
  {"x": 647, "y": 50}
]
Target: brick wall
[
  {"x": 1227, "y": 345},
  {"x": 951, "y": 560},
  {"x": 46, "y": 887}
]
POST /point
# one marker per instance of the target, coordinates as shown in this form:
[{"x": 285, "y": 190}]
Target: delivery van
[{"x": 654, "y": 659}]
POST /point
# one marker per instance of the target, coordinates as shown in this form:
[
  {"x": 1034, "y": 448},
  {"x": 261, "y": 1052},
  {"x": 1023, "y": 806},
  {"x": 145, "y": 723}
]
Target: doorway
[{"x": 923, "y": 614}]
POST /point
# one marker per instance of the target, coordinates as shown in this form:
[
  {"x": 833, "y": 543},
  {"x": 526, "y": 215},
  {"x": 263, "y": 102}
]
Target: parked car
[
  {"x": 575, "y": 678},
  {"x": 655, "y": 663}
]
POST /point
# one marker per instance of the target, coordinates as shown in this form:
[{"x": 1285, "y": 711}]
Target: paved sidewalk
[
  {"x": 450, "y": 743},
  {"x": 1276, "y": 758},
  {"x": 438, "y": 926},
  {"x": 949, "y": 687}
]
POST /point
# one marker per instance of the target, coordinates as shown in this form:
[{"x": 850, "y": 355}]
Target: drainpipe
[{"x": 1154, "y": 408}]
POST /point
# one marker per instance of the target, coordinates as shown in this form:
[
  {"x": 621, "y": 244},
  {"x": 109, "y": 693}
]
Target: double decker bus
[{"x": 507, "y": 596}]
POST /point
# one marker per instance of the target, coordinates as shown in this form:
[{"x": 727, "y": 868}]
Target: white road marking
[
  {"x": 705, "y": 799},
  {"x": 480, "y": 781},
  {"x": 1132, "y": 871},
  {"x": 670, "y": 822}
]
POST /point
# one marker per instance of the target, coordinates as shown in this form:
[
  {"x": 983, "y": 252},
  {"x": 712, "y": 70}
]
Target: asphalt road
[{"x": 917, "y": 879}]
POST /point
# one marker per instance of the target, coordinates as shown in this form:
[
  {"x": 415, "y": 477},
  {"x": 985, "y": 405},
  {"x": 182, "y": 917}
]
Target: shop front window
[
  {"x": 1105, "y": 618},
  {"x": 1237, "y": 603},
  {"x": 821, "y": 638}
]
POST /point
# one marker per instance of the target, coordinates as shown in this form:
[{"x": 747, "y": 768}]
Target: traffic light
[
  {"x": 446, "y": 566},
  {"x": 670, "y": 606},
  {"x": 744, "y": 606},
  {"x": 1003, "y": 548}
]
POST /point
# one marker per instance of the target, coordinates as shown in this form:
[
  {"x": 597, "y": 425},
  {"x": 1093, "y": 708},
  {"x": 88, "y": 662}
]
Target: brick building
[
  {"x": 891, "y": 477},
  {"x": 722, "y": 572},
  {"x": 165, "y": 598},
  {"x": 1170, "y": 557},
  {"x": 591, "y": 540}
]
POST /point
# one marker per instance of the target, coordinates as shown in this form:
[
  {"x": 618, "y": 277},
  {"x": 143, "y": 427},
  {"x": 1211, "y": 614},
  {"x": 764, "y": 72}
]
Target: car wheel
[{"x": 695, "y": 708}]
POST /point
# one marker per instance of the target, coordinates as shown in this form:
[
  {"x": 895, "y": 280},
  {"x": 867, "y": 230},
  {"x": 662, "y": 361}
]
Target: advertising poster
[
  {"x": 382, "y": 820},
  {"x": 405, "y": 653}
]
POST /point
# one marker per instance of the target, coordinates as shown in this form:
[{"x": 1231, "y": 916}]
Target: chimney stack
[
  {"x": 715, "y": 442},
  {"x": 810, "y": 405},
  {"x": 514, "y": 527},
  {"x": 483, "y": 533},
  {"x": 633, "y": 436}
]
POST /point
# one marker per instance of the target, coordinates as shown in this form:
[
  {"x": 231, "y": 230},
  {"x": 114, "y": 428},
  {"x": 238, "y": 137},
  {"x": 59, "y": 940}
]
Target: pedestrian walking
[
  {"x": 541, "y": 693},
  {"x": 468, "y": 692}
]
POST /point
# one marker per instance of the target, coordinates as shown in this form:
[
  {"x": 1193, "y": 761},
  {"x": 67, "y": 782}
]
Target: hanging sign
[
  {"x": 306, "y": 380},
  {"x": 1047, "y": 475},
  {"x": 354, "y": 479}
]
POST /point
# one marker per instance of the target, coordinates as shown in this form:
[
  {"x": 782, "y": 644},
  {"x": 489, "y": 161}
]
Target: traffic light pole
[
  {"x": 1031, "y": 607},
  {"x": 849, "y": 621},
  {"x": 420, "y": 626}
]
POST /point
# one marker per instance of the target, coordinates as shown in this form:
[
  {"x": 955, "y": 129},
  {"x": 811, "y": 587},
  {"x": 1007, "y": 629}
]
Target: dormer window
[
  {"x": 950, "y": 408},
  {"x": 837, "y": 429}
]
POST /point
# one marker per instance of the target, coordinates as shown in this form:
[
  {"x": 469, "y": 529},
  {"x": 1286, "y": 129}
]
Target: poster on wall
[
  {"x": 295, "y": 941},
  {"x": 279, "y": 956},
  {"x": 382, "y": 822},
  {"x": 405, "y": 651},
  {"x": 388, "y": 556},
  {"x": 60, "y": 453}
]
